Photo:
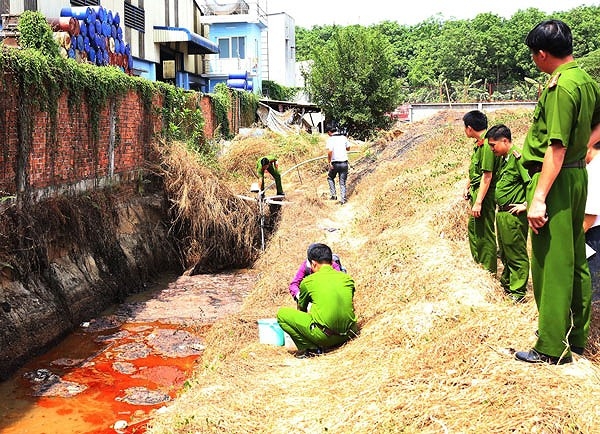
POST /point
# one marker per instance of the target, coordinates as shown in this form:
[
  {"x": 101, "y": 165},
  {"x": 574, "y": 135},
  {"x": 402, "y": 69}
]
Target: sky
[{"x": 308, "y": 13}]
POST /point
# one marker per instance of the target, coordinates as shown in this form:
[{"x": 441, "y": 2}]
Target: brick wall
[{"x": 63, "y": 154}]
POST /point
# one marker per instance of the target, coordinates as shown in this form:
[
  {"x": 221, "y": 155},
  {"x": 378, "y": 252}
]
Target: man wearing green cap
[{"x": 269, "y": 163}]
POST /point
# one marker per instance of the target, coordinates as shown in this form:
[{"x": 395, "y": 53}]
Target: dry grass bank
[{"x": 434, "y": 353}]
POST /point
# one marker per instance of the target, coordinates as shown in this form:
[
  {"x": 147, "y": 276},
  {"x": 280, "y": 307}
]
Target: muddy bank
[{"x": 64, "y": 260}]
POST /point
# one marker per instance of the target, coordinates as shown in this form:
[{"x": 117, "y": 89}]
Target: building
[
  {"x": 280, "y": 59},
  {"x": 167, "y": 39},
  {"x": 238, "y": 29}
]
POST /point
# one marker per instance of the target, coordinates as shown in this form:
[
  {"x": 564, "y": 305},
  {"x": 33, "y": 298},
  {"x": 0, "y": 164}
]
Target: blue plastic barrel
[
  {"x": 86, "y": 44},
  {"x": 105, "y": 57},
  {"x": 239, "y": 75},
  {"x": 83, "y": 13},
  {"x": 120, "y": 33},
  {"x": 109, "y": 17},
  {"x": 80, "y": 42},
  {"x": 237, "y": 83},
  {"x": 105, "y": 29},
  {"x": 99, "y": 56},
  {"x": 100, "y": 13},
  {"x": 71, "y": 53},
  {"x": 113, "y": 31},
  {"x": 83, "y": 28},
  {"x": 92, "y": 55},
  {"x": 116, "y": 19},
  {"x": 98, "y": 25},
  {"x": 117, "y": 46}
]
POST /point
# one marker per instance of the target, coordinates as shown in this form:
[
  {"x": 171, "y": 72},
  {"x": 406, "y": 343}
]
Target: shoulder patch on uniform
[
  {"x": 516, "y": 153},
  {"x": 553, "y": 81}
]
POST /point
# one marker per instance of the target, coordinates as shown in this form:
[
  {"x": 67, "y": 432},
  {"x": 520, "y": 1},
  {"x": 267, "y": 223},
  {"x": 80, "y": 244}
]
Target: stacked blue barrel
[
  {"x": 240, "y": 81},
  {"x": 92, "y": 34}
]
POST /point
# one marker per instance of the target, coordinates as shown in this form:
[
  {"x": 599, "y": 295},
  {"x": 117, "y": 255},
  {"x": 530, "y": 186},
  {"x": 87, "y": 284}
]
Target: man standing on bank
[
  {"x": 511, "y": 218},
  {"x": 554, "y": 151},
  {"x": 331, "y": 320},
  {"x": 480, "y": 191},
  {"x": 337, "y": 162}
]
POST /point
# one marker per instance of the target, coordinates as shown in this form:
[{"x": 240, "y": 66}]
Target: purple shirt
[{"x": 302, "y": 272}]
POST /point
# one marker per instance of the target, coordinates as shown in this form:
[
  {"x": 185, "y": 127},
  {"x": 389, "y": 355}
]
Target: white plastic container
[{"x": 269, "y": 332}]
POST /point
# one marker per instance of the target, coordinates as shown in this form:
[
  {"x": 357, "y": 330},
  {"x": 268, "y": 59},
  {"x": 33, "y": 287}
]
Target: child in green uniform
[
  {"x": 480, "y": 191},
  {"x": 331, "y": 320},
  {"x": 567, "y": 113},
  {"x": 511, "y": 218}
]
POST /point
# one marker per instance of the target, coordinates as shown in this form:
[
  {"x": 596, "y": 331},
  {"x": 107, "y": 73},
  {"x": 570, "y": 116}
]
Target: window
[
  {"x": 30, "y": 5},
  {"x": 234, "y": 47},
  {"x": 135, "y": 18},
  {"x": 85, "y": 2}
]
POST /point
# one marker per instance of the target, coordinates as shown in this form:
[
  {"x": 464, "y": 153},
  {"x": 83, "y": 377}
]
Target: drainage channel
[{"x": 110, "y": 373}]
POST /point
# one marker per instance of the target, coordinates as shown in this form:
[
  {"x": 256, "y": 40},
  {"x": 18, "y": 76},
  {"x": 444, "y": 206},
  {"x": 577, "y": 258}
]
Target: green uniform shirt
[
  {"x": 570, "y": 92},
  {"x": 511, "y": 186},
  {"x": 331, "y": 293},
  {"x": 259, "y": 169},
  {"x": 482, "y": 160}
]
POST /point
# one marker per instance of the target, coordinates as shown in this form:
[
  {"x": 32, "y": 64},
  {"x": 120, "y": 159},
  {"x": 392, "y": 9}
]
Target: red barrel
[{"x": 64, "y": 24}]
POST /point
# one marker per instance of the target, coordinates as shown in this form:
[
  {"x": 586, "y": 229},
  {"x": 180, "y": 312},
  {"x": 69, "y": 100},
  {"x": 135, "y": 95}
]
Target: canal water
[{"x": 110, "y": 373}]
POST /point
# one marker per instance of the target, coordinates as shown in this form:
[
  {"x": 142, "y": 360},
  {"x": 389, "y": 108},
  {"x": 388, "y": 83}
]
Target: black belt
[
  {"x": 339, "y": 162},
  {"x": 325, "y": 330},
  {"x": 537, "y": 167},
  {"x": 505, "y": 207}
]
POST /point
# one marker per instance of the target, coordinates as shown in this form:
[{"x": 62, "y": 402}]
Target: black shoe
[
  {"x": 578, "y": 350},
  {"x": 333, "y": 198},
  {"x": 532, "y": 356},
  {"x": 343, "y": 201},
  {"x": 309, "y": 352}
]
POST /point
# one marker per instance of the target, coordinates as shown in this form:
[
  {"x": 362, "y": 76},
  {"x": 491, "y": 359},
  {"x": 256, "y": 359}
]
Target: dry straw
[{"x": 435, "y": 351}]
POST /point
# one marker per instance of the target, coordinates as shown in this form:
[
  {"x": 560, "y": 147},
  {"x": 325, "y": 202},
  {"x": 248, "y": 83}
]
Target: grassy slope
[{"x": 435, "y": 350}]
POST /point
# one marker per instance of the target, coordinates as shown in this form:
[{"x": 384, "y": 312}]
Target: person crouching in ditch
[{"x": 331, "y": 320}]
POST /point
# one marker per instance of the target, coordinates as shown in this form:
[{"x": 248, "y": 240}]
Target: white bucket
[{"x": 269, "y": 332}]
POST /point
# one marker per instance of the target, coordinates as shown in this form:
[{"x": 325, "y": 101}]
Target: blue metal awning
[{"x": 196, "y": 44}]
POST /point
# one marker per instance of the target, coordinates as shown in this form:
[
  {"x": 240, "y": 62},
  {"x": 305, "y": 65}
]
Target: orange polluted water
[{"x": 117, "y": 368}]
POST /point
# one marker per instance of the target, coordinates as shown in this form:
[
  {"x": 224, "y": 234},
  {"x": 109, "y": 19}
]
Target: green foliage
[
  {"x": 278, "y": 92},
  {"x": 591, "y": 63},
  {"x": 248, "y": 107},
  {"x": 221, "y": 104},
  {"x": 438, "y": 58},
  {"x": 35, "y": 32},
  {"x": 352, "y": 79}
]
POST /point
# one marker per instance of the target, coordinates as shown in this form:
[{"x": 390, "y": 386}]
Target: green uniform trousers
[
  {"x": 482, "y": 233},
  {"x": 559, "y": 269},
  {"x": 298, "y": 325},
  {"x": 512, "y": 243}
]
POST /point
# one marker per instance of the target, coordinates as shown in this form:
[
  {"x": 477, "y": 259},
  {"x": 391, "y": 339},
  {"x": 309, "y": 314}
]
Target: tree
[{"x": 352, "y": 79}]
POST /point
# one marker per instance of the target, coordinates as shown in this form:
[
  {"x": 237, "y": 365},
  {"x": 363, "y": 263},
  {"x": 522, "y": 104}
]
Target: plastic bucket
[{"x": 269, "y": 332}]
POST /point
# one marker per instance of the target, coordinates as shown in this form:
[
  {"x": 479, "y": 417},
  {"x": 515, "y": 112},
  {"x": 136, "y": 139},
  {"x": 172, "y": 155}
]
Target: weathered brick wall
[{"x": 62, "y": 151}]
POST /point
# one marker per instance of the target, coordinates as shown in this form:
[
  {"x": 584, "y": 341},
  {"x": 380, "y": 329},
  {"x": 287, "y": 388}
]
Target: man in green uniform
[
  {"x": 480, "y": 190},
  {"x": 269, "y": 164},
  {"x": 567, "y": 112},
  {"x": 511, "y": 218},
  {"x": 331, "y": 320}
]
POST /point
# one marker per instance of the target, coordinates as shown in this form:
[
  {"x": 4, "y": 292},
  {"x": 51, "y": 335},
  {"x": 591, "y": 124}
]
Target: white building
[{"x": 280, "y": 49}]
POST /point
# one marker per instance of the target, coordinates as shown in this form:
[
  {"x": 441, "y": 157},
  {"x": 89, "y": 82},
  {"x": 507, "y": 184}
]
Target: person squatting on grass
[
  {"x": 305, "y": 270},
  {"x": 480, "y": 191},
  {"x": 566, "y": 116},
  {"x": 511, "y": 218},
  {"x": 331, "y": 320}
]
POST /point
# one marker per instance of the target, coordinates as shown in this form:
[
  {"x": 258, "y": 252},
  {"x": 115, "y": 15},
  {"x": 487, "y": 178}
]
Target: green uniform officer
[
  {"x": 554, "y": 154},
  {"x": 331, "y": 320},
  {"x": 480, "y": 190},
  {"x": 511, "y": 218},
  {"x": 269, "y": 164}
]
